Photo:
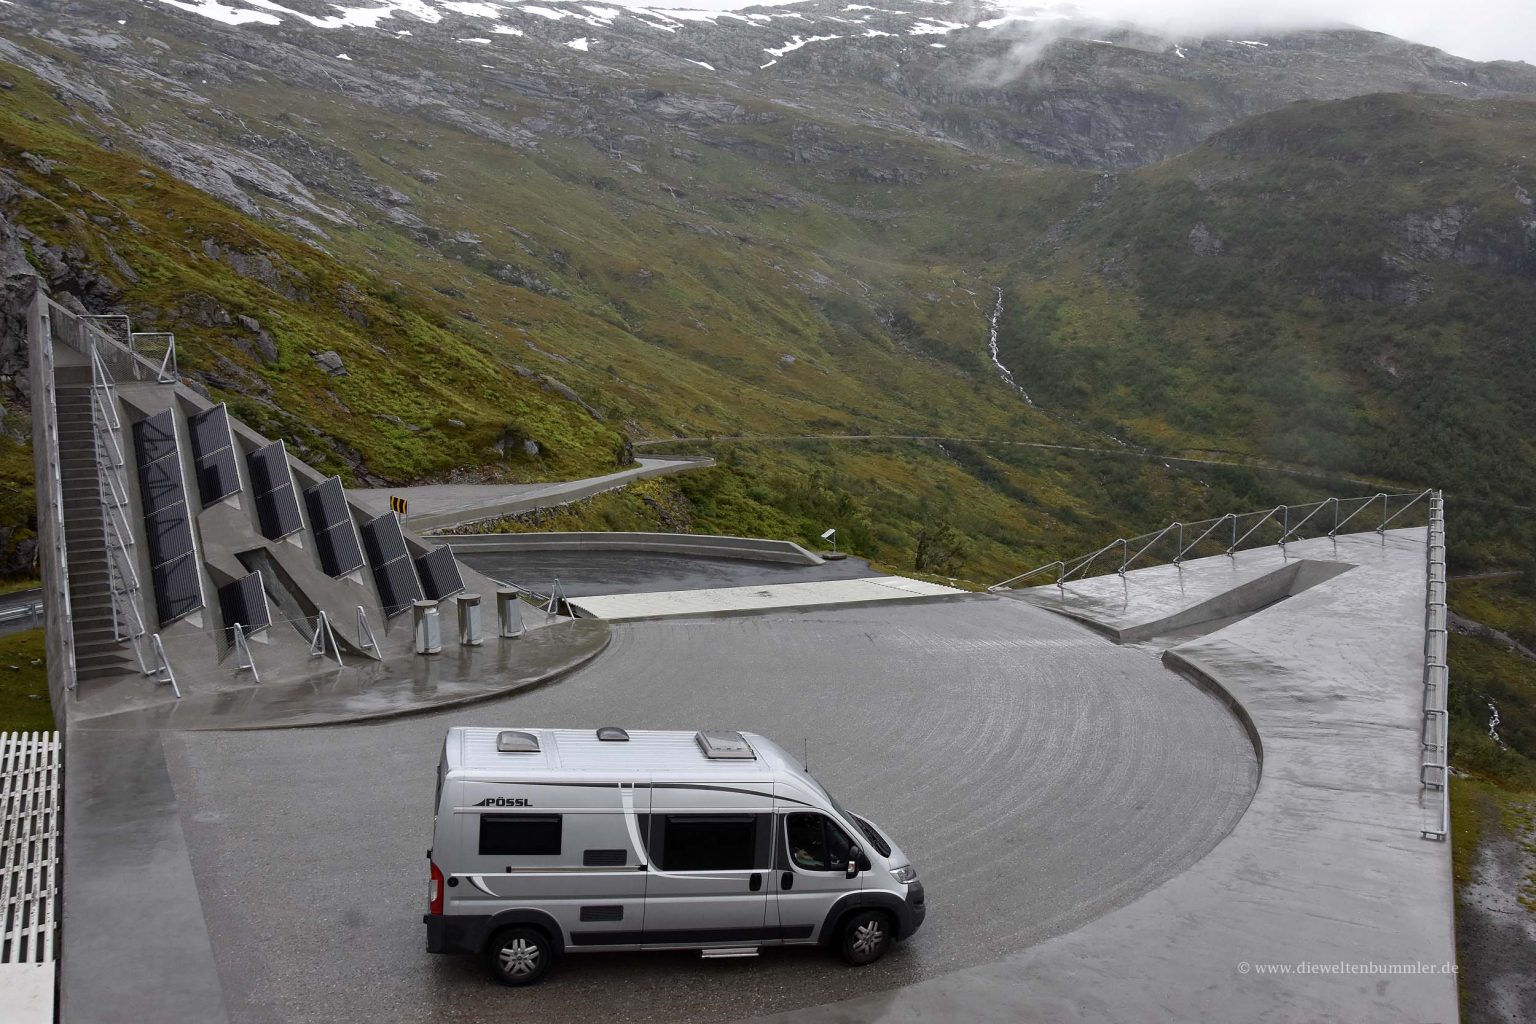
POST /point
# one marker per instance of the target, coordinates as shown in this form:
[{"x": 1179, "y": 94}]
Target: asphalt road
[
  {"x": 584, "y": 573},
  {"x": 1037, "y": 775}
]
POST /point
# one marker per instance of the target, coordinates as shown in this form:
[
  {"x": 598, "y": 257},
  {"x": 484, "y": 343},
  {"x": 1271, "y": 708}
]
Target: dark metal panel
[
  {"x": 268, "y": 468},
  {"x": 384, "y": 540},
  {"x": 217, "y": 477},
  {"x": 177, "y": 589},
  {"x": 160, "y": 483},
  {"x": 154, "y": 437},
  {"x": 338, "y": 549},
  {"x": 439, "y": 572},
  {"x": 278, "y": 511},
  {"x": 169, "y": 534},
  {"x": 327, "y": 504},
  {"x": 245, "y": 601},
  {"x": 398, "y": 585},
  {"x": 209, "y": 432}
]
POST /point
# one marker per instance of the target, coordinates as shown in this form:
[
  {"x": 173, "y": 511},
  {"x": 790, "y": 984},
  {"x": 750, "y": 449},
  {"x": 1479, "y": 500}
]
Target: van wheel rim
[
  {"x": 519, "y": 958},
  {"x": 867, "y": 938}
]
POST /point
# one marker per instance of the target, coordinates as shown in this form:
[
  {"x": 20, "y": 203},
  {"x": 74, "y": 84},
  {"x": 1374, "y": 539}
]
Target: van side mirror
[{"x": 855, "y": 862}]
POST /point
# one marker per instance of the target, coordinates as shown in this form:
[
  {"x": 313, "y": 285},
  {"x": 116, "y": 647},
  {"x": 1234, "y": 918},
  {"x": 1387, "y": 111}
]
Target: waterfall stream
[{"x": 1003, "y": 371}]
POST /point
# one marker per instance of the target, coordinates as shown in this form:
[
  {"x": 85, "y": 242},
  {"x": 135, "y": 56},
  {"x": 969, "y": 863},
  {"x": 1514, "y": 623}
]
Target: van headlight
[{"x": 906, "y": 874}]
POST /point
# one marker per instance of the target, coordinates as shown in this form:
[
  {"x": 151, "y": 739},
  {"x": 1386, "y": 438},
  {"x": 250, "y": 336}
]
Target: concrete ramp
[{"x": 736, "y": 600}]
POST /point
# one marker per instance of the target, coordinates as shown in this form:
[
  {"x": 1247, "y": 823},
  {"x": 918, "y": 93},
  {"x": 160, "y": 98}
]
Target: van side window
[
  {"x": 816, "y": 843},
  {"x": 709, "y": 842},
  {"x": 519, "y": 835}
]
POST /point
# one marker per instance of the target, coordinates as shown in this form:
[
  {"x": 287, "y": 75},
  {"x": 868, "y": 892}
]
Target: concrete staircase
[{"x": 98, "y": 654}]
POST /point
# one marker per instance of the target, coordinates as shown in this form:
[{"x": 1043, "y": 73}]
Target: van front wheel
[
  {"x": 518, "y": 956},
  {"x": 866, "y": 937}
]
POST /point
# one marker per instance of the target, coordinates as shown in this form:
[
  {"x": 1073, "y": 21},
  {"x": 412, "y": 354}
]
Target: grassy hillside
[
  {"x": 424, "y": 391},
  {"x": 1347, "y": 284}
]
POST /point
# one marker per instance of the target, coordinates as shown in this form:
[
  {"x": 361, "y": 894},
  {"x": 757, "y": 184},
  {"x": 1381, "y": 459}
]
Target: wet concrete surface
[
  {"x": 584, "y": 573},
  {"x": 1325, "y": 902},
  {"x": 1038, "y": 776},
  {"x": 1496, "y": 935}
]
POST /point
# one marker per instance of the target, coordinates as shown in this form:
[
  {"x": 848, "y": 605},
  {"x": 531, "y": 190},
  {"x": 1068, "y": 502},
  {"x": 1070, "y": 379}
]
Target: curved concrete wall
[{"x": 750, "y": 549}]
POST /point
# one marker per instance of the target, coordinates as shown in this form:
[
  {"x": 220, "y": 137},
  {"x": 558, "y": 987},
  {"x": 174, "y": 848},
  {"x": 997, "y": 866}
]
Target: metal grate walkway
[{"x": 29, "y": 804}]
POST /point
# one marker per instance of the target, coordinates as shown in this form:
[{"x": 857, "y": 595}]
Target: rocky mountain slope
[{"x": 579, "y": 226}]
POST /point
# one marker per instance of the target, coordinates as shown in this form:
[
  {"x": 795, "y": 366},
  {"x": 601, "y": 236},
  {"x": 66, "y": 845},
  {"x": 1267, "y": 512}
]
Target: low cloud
[{"x": 1476, "y": 29}]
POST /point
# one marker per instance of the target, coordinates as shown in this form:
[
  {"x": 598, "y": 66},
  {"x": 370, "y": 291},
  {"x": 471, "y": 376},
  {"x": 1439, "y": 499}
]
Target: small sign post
[{"x": 397, "y": 505}]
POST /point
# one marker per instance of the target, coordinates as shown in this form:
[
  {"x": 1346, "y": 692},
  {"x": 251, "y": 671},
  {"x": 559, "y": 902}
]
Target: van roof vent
[
  {"x": 725, "y": 746},
  {"x": 612, "y": 734},
  {"x": 515, "y": 741}
]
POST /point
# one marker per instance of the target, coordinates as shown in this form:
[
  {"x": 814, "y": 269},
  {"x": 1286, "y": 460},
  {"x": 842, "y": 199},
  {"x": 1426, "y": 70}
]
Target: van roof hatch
[
  {"x": 515, "y": 741},
  {"x": 612, "y": 734},
  {"x": 725, "y": 746}
]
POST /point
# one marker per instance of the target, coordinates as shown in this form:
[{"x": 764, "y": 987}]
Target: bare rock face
[
  {"x": 1205, "y": 242},
  {"x": 18, "y": 283},
  {"x": 330, "y": 362}
]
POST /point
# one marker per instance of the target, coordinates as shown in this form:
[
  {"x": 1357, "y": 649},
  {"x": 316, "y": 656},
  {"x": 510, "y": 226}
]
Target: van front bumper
[
  {"x": 458, "y": 933},
  {"x": 917, "y": 909}
]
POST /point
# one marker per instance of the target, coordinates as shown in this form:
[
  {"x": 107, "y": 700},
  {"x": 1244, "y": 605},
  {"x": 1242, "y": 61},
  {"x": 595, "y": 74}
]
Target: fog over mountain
[{"x": 1480, "y": 30}]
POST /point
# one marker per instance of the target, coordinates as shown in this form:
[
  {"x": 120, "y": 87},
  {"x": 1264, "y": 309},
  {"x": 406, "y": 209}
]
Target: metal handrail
[
  {"x": 162, "y": 670},
  {"x": 1215, "y": 525},
  {"x": 101, "y": 383},
  {"x": 1434, "y": 730},
  {"x": 557, "y": 596},
  {"x": 1078, "y": 567},
  {"x": 166, "y": 361}
]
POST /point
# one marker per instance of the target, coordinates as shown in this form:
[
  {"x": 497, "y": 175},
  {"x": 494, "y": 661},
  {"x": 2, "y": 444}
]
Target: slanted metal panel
[
  {"x": 245, "y": 601},
  {"x": 278, "y": 511},
  {"x": 178, "y": 589},
  {"x": 268, "y": 467},
  {"x": 327, "y": 503},
  {"x": 217, "y": 477},
  {"x": 209, "y": 432},
  {"x": 339, "y": 550},
  {"x": 384, "y": 540},
  {"x": 169, "y": 533},
  {"x": 154, "y": 437},
  {"x": 277, "y": 501},
  {"x": 160, "y": 483},
  {"x": 213, "y": 454},
  {"x": 398, "y": 585},
  {"x": 439, "y": 572}
]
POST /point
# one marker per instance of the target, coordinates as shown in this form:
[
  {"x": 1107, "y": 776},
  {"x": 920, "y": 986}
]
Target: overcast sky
[{"x": 1480, "y": 29}]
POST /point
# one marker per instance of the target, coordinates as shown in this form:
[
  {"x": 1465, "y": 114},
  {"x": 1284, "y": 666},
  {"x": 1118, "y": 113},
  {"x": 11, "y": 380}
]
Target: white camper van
[{"x": 548, "y": 841}]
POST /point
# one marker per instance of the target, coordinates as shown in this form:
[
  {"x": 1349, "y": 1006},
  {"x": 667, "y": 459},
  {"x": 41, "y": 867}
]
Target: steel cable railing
[{"x": 1287, "y": 521}]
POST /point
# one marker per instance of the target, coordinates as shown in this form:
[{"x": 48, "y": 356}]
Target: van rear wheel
[
  {"x": 866, "y": 937},
  {"x": 518, "y": 956}
]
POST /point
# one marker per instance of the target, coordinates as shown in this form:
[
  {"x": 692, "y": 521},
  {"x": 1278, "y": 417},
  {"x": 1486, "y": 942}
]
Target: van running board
[{"x": 728, "y": 951}]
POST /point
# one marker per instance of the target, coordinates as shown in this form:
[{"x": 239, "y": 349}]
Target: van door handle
[
  {"x": 787, "y": 881},
  {"x": 755, "y": 883}
]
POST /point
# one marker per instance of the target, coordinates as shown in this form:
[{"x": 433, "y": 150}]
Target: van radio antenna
[{"x": 805, "y": 740}]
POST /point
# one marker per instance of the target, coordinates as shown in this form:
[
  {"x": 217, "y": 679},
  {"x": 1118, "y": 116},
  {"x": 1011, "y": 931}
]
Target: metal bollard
[
  {"x": 429, "y": 627},
  {"x": 469, "y": 620},
  {"x": 509, "y": 614}
]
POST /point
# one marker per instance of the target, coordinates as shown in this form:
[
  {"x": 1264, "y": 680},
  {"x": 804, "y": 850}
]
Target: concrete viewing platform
[
  {"x": 1324, "y": 903},
  {"x": 770, "y": 597}
]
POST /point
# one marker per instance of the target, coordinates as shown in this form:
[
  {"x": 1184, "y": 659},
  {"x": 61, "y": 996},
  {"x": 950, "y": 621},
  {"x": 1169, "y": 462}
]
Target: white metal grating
[{"x": 29, "y": 804}]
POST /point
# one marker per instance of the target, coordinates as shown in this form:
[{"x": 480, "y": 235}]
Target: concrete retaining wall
[
  {"x": 750, "y": 549},
  {"x": 59, "y": 637}
]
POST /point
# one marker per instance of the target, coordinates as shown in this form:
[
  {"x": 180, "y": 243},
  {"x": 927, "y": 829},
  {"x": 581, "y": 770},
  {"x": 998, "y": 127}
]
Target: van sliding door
[{"x": 707, "y": 880}]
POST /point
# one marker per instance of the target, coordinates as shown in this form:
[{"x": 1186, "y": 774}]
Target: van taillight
[{"x": 435, "y": 892}]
